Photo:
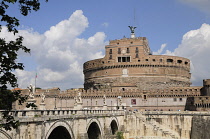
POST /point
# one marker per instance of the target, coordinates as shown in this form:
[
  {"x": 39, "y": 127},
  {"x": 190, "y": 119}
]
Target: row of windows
[
  {"x": 167, "y": 60},
  {"x": 127, "y": 50},
  {"x": 137, "y": 56},
  {"x": 124, "y": 59}
]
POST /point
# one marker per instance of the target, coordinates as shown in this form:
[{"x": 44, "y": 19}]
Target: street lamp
[
  {"x": 91, "y": 103},
  {"x": 55, "y": 103},
  {"x": 66, "y": 103}
]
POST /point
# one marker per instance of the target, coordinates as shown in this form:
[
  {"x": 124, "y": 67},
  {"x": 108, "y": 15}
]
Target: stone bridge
[
  {"x": 66, "y": 124},
  {"x": 104, "y": 124}
]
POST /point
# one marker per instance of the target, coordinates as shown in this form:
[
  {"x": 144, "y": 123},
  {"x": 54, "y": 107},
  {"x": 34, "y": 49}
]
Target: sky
[{"x": 64, "y": 35}]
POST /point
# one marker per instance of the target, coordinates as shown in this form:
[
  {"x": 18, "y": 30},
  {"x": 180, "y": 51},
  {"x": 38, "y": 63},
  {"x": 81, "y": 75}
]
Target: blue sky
[
  {"x": 160, "y": 21},
  {"x": 163, "y": 22}
]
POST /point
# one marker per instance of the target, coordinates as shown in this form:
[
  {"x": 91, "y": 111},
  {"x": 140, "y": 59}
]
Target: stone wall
[{"x": 200, "y": 127}]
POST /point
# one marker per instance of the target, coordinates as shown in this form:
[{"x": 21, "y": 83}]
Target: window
[
  {"x": 127, "y": 51},
  {"x": 169, "y": 60},
  {"x": 145, "y": 97},
  {"x": 180, "y": 99},
  {"x": 137, "y": 50},
  {"x": 174, "y": 99},
  {"x": 153, "y": 59},
  {"x": 179, "y": 61},
  {"x": 110, "y": 56},
  {"x": 119, "y": 50},
  {"x": 186, "y": 63},
  {"x": 123, "y": 89},
  {"x": 137, "y": 55},
  {"x": 124, "y": 59},
  {"x": 146, "y": 59},
  {"x": 161, "y": 60},
  {"x": 110, "y": 51}
]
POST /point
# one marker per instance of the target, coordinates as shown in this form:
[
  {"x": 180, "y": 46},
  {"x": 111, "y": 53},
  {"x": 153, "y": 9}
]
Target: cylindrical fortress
[{"x": 128, "y": 64}]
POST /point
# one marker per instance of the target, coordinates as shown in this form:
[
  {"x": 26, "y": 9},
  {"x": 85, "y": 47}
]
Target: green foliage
[
  {"x": 120, "y": 135},
  {"x": 8, "y": 60}
]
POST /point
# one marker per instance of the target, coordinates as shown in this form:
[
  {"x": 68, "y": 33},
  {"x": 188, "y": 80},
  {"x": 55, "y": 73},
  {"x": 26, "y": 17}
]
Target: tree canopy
[{"x": 8, "y": 59}]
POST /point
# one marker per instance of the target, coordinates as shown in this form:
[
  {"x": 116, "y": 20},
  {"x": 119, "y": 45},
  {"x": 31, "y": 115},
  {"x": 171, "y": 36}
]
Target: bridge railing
[
  {"x": 42, "y": 113},
  {"x": 199, "y": 113}
]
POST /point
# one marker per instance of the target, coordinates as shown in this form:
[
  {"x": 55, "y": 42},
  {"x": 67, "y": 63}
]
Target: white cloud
[
  {"x": 59, "y": 53},
  {"x": 160, "y": 50},
  {"x": 202, "y": 5},
  {"x": 195, "y": 46}
]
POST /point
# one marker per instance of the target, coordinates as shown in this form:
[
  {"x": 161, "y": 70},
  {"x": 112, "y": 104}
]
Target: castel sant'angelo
[{"x": 130, "y": 77}]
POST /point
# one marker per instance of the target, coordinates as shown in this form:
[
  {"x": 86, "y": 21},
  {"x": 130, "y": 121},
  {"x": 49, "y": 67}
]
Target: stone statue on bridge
[
  {"x": 43, "y": 97},
  {"x": 31, "y": 89},
  {"x": 78, "y": 102},
  {"x": 79, "y": 97}
]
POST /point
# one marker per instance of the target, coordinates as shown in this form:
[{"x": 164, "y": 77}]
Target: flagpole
[{"x": 35, "y": 82}]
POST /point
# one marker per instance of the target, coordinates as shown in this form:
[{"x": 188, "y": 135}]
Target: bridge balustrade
[{"x": 49, "y": 113}]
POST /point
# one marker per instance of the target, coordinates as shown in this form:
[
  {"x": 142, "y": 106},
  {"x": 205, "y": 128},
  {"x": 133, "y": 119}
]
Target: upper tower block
[{"x": 127, "y": 49}]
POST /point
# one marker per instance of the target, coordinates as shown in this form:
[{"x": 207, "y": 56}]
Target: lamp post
[
  {"x": 91, "y": 102},
  {"x": 55, "y": 103},
  {"x": 66, "y": 103}
]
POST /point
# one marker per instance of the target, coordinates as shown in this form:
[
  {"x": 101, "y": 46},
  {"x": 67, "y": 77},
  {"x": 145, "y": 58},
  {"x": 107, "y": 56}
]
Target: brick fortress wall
[{"x": 128, "y": 64}]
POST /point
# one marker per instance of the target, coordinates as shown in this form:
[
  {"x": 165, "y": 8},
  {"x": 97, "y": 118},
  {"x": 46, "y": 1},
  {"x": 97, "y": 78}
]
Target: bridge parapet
[{"x": 60, "y": 113}]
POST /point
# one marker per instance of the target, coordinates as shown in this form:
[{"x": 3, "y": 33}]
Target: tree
[{"x": 8, "y": 56}]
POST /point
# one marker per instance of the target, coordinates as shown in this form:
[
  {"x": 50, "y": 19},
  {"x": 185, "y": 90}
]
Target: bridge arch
[
  {"x": 4, "y": 135},
  {"x": 94, "y": 129},
  {"x": 114, "y": 125},
  {"x": 60, "y": 128}
]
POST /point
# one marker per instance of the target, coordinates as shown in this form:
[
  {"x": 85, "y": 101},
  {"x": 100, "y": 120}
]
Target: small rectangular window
[
  {"x": 110, "y": 51},
  {"x": 110, "y": 56},
  {"x": 119, "y": 50},
  {"x": 123, "y": 59},
  {"x": 137, "y": 49},
  {"x": 174, "y": 99},
  {"x": 137, "y": 55},
  {"x": 128, "y": 59},
  {"x": 128, "y": 51}
]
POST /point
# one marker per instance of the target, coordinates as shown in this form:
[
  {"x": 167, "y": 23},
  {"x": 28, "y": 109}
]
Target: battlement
[{"x": 127, "y": 41}]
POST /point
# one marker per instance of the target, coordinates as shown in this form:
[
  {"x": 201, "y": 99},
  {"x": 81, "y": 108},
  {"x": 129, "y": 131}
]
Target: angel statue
[
  {"x": 43, "y": 97},
  {"x": 31, "y": 91},
  {"x": 132, "y": 29}
]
